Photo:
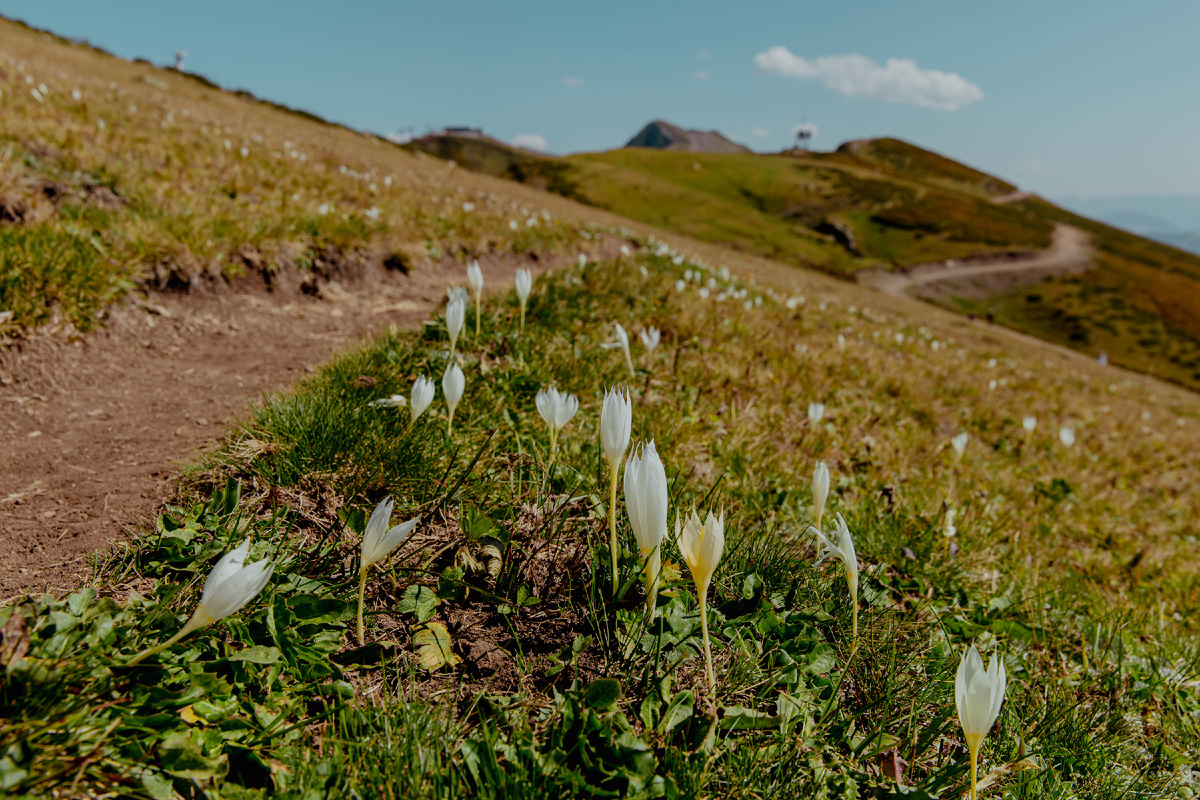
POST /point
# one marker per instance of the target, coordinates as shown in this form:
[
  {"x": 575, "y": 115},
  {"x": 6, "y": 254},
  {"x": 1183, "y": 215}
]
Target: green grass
[{"x": 586, "y": 699}]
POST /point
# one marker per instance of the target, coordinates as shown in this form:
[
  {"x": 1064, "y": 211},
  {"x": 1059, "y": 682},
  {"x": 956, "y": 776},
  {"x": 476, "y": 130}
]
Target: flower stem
[
  {"x": 522, "y": 316},
  {"x": 712, "y": 683},
  {"x": 476, "y": 316},
  {"x": 362, "y": 592},
  {"x": 974, "y": 767},
  {"x": 612, "y": 527},
  {"x": 192, "y": 624}
]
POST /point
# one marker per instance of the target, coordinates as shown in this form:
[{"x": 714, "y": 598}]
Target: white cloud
[
  {"x": 900, "y": 80},
  {"x": 531, "y": 141},
  {"x": 760, "y": 133},
  {"x": 811, "y": 127},
  {"x": 702, "y": 75},
  {"x": 572, "y": 82}
]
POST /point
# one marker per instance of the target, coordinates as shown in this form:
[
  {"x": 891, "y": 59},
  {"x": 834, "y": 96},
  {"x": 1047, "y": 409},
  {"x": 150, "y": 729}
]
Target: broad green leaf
[
  {"x": 602, "y": 694},
  {"x": 433, "y": 647}
]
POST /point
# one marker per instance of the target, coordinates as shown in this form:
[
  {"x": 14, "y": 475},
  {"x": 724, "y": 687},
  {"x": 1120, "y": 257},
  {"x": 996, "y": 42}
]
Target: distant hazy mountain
[
  {"x": 1171, "y": 219},
  {"x": 662, "y": 135}
]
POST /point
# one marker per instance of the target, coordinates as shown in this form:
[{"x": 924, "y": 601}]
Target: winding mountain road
[{"x": 1069, "y": 251}]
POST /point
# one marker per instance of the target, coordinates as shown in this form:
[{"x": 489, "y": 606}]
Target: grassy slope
[{"x": 1075, "y": 563}]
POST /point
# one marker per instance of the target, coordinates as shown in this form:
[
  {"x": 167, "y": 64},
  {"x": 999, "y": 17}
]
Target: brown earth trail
[{"x": 92, "y": 431}]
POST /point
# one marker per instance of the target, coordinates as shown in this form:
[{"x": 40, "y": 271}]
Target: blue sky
[{"x": 1092, "y": 98}]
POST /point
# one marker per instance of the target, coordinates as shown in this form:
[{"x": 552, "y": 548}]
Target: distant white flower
[
  {"x": 422, "y": 396},
  {"x": 456, "y": 315},
  {"x": 372, "y": 213},
  {"x": 475, "y": 279},
  {"x": 815, "y": 412},
  {"x": 76, "y": 95},
  {"x": 625, "y": 250},
  {"x": 1029, "y": 423},
  {"x": 323, "y": 209},
  {"x": 650, "y": 338},
  {"x": 512, "y": 224},
  {"x": 623, "y": 343},
  {"x": 950, "y": 529},
  {"x": 245, "y": 151},
  {"x": 841, "y": 547},
  {"x": 395, "y": 401},
  {"x": 468, "y": 207},
  {"x": 959, "y": 443},
  {"x": 841, "y": 340},
  {"x": 557, "y": 409},
  {"x": 680, "y": 285},
  {"x": 524, "y": 287},
  {"x": 453, "y": 385},
  {"x": 582, "y": 260},
  {"x": 1066, "y": 436},
  {"x": 703, "y": 294},
  {"x": 820, "y": 490}
]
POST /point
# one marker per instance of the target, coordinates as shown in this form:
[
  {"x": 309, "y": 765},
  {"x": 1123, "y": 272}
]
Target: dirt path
[
  {"x": 92, "y": 432},
  {"x": 1069, "y": 251}
]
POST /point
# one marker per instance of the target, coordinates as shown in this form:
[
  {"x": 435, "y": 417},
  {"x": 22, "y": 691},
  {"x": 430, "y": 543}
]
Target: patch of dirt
[{"x": 93, "y": 429}]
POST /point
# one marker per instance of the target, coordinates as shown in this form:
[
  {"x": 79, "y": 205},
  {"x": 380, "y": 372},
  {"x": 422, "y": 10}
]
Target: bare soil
[{"x": 94, "y": 429}]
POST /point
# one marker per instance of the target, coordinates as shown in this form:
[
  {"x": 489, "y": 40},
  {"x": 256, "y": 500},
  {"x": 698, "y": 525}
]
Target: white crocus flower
[
  {"x": 646, "y": 505},
  {"x": 978, "y": 693},
  {"x": 815, "y": 412},
  {"x": 1066, "y": 436},
  {"x": 623, "y": 343},
  {"x": 820, "y": 490},
  {"x": 582, "y": 260},
  {"x": 557, "y": 408},
  {"x": 650, "y": 338},
  {"x": 702, "y": 547},
  {"x": 378, "y": 543},
  {"x": 395, "y": 401},
  {"x": 422, "y": 396},
  {"x": 456, "y": 292},
  {"x": 453, "y": 383},
  {"x": 616, "y": 423},
  {"x": 1029, "y": 423},
  {"x": 229, "y": 587},
  {"x": 841, "y": 547},
  {"x": 524, "y": 287},
  {"x": 475, "y": 280},
  {"x": 680, "y": 285},
  {"x": 456, "y": 315},
  {"x": 951, "y": 531},
  {"x": 959, "y": 443}
]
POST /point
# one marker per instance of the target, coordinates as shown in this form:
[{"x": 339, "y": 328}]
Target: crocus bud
[
  {"x": 820, "y": 490},
  {"x": 422, "y": 396},
  {"x": 456, "y": 315},
  {"x": 702, "y": 547},
  {"x": 524, "y": 287},
  {"x": 646, "y": 504},
  {"x": 841, "y": 546},
  {"x": 475, "y": 277},
  {"x": 1029, "y": 423},
  {"x": 959, "y": 443},
  {"x": 978, "y": 694},
  {"x": 622, "y": 342},
  {"x": 650, "y": 338},
  {"x": 1066, "y": 436},
  {"x": 616, "y": 423},
  {"x": 453, "y": 383},
  {"x": 815, "y": 412}
]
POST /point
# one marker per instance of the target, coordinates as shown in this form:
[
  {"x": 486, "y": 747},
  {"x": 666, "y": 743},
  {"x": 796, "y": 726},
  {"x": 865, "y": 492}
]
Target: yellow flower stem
[
  {"x": 612, "y": 527},
  {"x": 362, "y": 593},
  {"x": 452, "y": 350},
  {"x": 553, "y": 443},
  {"x": 450, "y": 426},
  {"x": 974, "y": 766},
  {"x": 712, "y": 683},
  {"x": 476, "y": 316},
  {"x": 854, "y": 621},
  {"x": 192, "y": 624},
  {"x": 650, "y": 576},
  {"x": 522, "y": 316}
]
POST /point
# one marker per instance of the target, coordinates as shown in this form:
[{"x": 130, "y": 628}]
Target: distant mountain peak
[{"x": 662, "y": 135}]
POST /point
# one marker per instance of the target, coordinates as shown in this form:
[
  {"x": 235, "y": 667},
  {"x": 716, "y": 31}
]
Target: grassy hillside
[{"x": 885, "y": 205}]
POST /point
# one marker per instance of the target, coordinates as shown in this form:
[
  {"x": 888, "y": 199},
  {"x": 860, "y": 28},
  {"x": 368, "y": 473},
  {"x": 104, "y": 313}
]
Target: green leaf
[
  {"x": 419, "y": 600},
  {"x": 433, "y": 647},
  {"x": 258, "y": 654},
  {"x": 821, "y": 659},
  {"x": 603, "y": 694},
  {"x": 737, "y": 718}
]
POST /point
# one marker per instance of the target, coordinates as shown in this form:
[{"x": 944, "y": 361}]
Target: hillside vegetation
[{"x": 998, "y": 493}]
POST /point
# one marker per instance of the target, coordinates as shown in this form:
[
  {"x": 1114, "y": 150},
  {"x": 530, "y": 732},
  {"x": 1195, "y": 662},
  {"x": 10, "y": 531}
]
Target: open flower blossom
[
  {"x": 524, "y": 287},
  {"x": 623, "y": 343},
  {"x": 815, "y": 412},
  {"x": 820, "y": 490},
  {"x": 475, "y": 280},
  {"x": 978, "y": 694},
  {"x": 453, "y": 384},
  {"x": 1066, "y": 436},
  {"x": 959, "y": 443},
  {"x": 1029, "y": 423},
  {"x": 841, "y": 547},
  {"x": 377, "y": 544},
  {"x": 456, "y": 315},
  {"x": 422, "y": 396},
  {"x": 702, "y": 547},
  {"x": 395, "y": 401},
  {"x": 616, "y": 423},
  {"x": 650, "y": 338},
  {"x": 229, "y": 587},
  {"x": 557, "y": 408},
  {"x": 646, "y": 504}
]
